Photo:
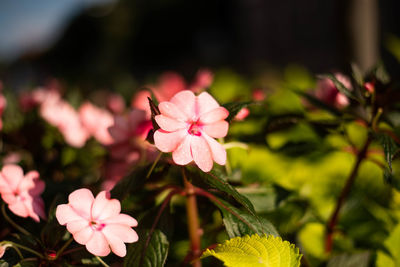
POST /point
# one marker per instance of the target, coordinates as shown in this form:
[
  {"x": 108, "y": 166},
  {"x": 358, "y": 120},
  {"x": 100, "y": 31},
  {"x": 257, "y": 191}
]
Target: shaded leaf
[
  {"x": 154, "y": 255},
  {"x": 130, "y": 183},
  {"x": 340, "y": 86},
  {"x": 154, "y": 112},
  {"x": 357, "y": 74},
  {"x": 257, "y": 251},
  {"x": 350, "y": 260}
]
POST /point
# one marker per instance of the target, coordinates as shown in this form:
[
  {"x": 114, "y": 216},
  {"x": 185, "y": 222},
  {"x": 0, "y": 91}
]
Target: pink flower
[
  {"x": 3, "y": 104},
  {"x": 327, "y": 92},
  {"x": 96, "y": 121},
  {"x": 189, "y": 125},
  {"x": 203, "y": 80},
  {"x": 242, "y": 114},
  {"x": 97, "y": 222},
  {"x": 2, "y": 250},
  {"x": 62, "y": 115},
  {"x": 22, "y": 193}
]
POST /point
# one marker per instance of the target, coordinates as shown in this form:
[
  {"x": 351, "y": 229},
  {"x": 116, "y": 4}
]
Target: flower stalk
[
  {"x": 361, "y": 155},
  {"x": 193, "y": 221}
]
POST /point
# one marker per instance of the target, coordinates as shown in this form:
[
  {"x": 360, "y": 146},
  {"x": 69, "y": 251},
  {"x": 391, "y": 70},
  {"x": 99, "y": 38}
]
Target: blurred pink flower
[
  {"x": 2, "y": 250},
  {"x": 96, "y": 122},
  {"x": 22, "y": 193},
  {"x": 116, "y": 103},
  {"x": 62, "y": 115},
  {"x": 242, "y": 114},
  {"x": 258, "y": 94},
  {"x": 328, "y": 93},
  {"x": 3, "y": 104},
  {"x": 12, "y": 158},
  {"x": 97, "y": 222},
  {"x": 203, "y": 80},
  {"x": 169, "y": 84},
  {"x": 370, "y": 87},
  {"x": 188, "y": 125}
]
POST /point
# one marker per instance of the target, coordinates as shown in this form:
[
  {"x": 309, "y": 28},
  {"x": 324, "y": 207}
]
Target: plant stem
[
  {"x": 193, "y": 221},
  {"x": 361, "y": 155},
  {"x": 16, "y": 226},
  {"x": 15, "y": 245},
  {"x": 64, "y": 247},
  {"x": 153, "y": 165},
  {"x": 102, "y": 262}
]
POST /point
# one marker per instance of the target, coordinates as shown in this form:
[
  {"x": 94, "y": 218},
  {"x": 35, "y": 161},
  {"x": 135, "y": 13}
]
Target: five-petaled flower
[
  {"x": 22, "y": 193},
  {"x": 97, "y": 222},
  {"x": 188, "y": 126}
]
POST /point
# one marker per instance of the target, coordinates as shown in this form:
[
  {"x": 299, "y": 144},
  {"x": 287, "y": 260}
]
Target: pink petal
[
  {"x": 214, "y": 115},
  {"x": 97, "y": 245},
  {"x": 201, "y": 153},
  {"x": 217, "y": 129},
  {"x": 65, "y": 214},
  {"x": 171, "y": 110},
  {"x": 8, "y": 197},
  {"x": 185, "y": 101},
  {"x": 123, "y": 232},
  {"x": 103, "y": 207},
  {"x": 206, "y": 103},
  {"x": 183, "y": 155},
  {"x": 121, "y": 219},
  {"x": 169, "y": 124},
  {"x": 38, "y": 207},
  {"x": 84, "y": 235},
  {"x": 76, "y": 226},
  {"x": 19, "y": 208},
  {"x": 81, "y": 201},
  {"x": 12, "y": 174},
  {"x": 169, "y": 141},
  {"x": 217, "y": 150},
  {"x": 116, "y": 244}
]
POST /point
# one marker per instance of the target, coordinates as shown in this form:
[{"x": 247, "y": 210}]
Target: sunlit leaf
[{"x": 257, "y": 251}]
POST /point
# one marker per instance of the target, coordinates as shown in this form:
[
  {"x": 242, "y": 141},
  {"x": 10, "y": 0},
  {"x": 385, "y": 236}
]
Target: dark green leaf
[
  {"x": 357, "y": 74},
  {"x": 360, "y": 259},
  {"x": 318, "y": 103},
  {"x": 240, "y": 223},
  {"x": 343, "y": 89},
  {"x": 154, "y": 112},
  {"x": 389, "y": 148},
  {"x": 132, "y": 182},
  {"x": 217, "y": 180},
  {"x": 154, "y": 255},
  {"x": 381, "y": 73},
  {"x": 52, "y": 232},
  {"x": 234, "y": 108}
]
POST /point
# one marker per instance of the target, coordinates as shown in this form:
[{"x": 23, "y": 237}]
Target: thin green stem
[
  {"x": 64, "y": 247},
  {"x": 153, "y": 165},
  {"x": 16, "y": 226},
  {"x": 102, "y": 262},
  {"x": 22, "y": 247}
]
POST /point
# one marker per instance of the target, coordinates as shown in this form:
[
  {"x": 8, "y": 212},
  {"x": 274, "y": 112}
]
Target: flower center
[
  {"x": 97, "y": 226},
  {"x": 195, "y": 129}
]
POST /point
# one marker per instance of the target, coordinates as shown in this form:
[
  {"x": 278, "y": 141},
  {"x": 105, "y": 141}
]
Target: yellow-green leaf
[{"x": 256, "y": 251}]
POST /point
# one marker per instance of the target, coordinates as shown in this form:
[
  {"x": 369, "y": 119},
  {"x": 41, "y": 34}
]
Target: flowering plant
[{"x": 296, "y": 179}]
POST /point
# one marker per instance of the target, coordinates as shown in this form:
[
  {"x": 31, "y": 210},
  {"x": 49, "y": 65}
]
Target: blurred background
[{"x": 103, "y": 43}]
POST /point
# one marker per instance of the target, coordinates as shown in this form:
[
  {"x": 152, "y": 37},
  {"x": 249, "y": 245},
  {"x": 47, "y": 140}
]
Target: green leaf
[
  {"x": 234, "y": 108},
  {"x": 392, "y": 243},
  {"x": 153, "y": 255},
  {"x": 3, "y": 263},
  {"x": 360, "y": 259},
  {"x": 256, "y": 251},
  {"x": 216, "y": 180},
  {"x": 240, "y": 223}
]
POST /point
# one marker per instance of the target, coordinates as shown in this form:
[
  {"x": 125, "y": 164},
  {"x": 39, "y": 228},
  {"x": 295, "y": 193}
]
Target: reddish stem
[
  {"x": 193, "y": 222},
  {"x": 361, "y": 155}
]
